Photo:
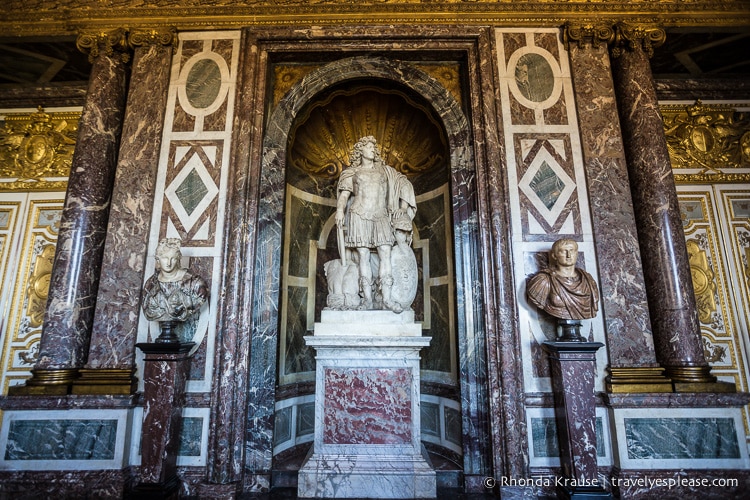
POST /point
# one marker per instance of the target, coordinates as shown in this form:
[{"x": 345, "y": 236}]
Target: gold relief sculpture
[
  {"x": 111, "y": 43},
  {"x": 714, "y": 353},
  {"x": 36, "y": 146},
  {"x": 322, "y": 140},
  {"x": 712, "y": 138},
  {"x": 629, "y": 36},
  {"x": 704, "y": 281},
  {"x": 36, "y": 292}
]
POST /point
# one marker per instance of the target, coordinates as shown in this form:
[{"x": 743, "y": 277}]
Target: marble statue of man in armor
[
  {"x": 563, "y": 290},
  {"x": 172, "y": 293},
  {"x": 371, "y": 195}
]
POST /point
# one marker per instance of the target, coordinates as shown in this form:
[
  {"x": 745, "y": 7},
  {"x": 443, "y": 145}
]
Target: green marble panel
[
  {"x": 681, "y": 438},
  {"x": 61, "y": 440}
]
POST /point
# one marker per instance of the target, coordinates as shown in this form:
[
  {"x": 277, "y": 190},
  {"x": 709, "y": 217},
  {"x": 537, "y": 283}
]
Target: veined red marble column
[
  {"x": 110, "y": 366},
  {"x": 674, "y": 316},
  {"x": 75, "y": 274},
  {"x": 633, "y": 366}
]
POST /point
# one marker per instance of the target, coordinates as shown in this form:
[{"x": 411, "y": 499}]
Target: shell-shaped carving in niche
[{"x": 407, "y": 132}]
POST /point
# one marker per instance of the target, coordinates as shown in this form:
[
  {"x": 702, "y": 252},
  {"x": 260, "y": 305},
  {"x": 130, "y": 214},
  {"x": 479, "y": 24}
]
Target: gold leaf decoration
[
  {"x": 704, "y": 281},
  {"x": 712, "y": 138},
  {"x": 37, "y": 145},
  {"x": 408, "y": 134}
]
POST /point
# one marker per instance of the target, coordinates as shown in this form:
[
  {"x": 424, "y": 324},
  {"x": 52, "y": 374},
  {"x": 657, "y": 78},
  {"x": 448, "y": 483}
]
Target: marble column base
[
  {"x": 366, "y": 476},
  {"x": 367, "y": 412}
]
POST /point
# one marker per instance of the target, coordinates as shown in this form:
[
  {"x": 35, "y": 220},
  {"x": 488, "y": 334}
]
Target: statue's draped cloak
[
  {"x": 370, "y": 230},
  {"x": 567, "y": 298}
]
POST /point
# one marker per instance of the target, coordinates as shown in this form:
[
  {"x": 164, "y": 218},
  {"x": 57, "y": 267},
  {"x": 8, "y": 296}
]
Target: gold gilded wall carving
[
  {"x": 704, "y": 280},
  {"x": 36, "y": 150},
  {"x": 65, "y": 17},
  {"x": 28, "y": 249},
  {"x": 715, "y": 218},
  {"x": 708, "y": 143}
]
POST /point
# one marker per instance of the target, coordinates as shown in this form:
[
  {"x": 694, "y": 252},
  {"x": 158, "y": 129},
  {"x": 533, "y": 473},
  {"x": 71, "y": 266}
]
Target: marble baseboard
[{"x": 363, "y": 476}]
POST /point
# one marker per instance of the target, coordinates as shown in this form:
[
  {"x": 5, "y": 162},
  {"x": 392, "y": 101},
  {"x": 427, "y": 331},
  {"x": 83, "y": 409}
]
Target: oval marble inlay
[
  {"x": 534, "y": 77},
  {"x": 203, "y": 83}
]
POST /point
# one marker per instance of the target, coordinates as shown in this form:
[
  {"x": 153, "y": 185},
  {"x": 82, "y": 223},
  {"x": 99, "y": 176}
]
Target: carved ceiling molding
[{"x": 66, "y": 17}]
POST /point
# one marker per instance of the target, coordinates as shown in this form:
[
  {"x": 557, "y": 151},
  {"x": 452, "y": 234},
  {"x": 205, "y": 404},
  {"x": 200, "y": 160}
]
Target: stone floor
[{"x": 442, "y": 494}]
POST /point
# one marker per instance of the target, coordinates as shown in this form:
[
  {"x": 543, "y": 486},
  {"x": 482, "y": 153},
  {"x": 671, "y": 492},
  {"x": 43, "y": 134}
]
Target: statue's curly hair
[
  {"x": 168, "y": 245},
  {"x": 355, "y": 159}
]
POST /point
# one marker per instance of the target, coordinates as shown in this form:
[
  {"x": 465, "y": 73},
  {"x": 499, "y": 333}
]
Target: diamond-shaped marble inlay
[
  {"x": 547, "y": 186},
  {"x": 192, "y": 190}
]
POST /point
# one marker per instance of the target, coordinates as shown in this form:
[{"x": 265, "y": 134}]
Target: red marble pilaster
[{"x": 117, "y": 307}]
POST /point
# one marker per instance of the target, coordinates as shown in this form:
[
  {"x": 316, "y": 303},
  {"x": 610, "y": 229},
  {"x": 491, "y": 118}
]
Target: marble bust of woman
[{"x": 172, "y": 293}]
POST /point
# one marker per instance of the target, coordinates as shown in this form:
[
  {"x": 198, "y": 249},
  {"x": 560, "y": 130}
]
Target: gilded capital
[
  {"x": 630, "y": 36},
  {"x": 112, "y": 43},
  {"x": 152, "y": 36},
  {"x": 587, "y": 34}
]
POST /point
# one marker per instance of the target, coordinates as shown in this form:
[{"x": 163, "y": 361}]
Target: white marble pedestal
[{"x": 367, "y": 416}]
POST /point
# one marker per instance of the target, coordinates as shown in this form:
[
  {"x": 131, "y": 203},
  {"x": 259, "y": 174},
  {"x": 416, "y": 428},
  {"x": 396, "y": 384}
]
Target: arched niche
[{"x": 306, "y": 145}]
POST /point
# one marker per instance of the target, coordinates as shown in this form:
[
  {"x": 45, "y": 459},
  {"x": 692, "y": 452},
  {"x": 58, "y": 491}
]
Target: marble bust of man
[
  {"x": 563, "y": 290},
  {"x": 172, "y": 293}
]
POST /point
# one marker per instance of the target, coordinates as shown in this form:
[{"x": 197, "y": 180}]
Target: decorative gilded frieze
[
  {"x": 629, "y": 36},
  {"x": 709, "y": 143},
  {"x": 112, "y": 43},
  {"x": 36, "y": 148},
  {"x": 62, "y": 16}
]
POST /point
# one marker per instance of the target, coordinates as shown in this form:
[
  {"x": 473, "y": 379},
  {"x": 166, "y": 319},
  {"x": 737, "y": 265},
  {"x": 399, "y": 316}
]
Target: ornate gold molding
[
  {"x": 630, "y": 36},
  {"x": 704, "y": 281},
  {"x": 593, "y": 34},
  {"x": 112, "y": 43},
  {"x": 714, "y": 139},
  {"x": 63, "y": 18},
  {"x": 152, "y": 36},
  {"x": 35, "y": 147}
]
